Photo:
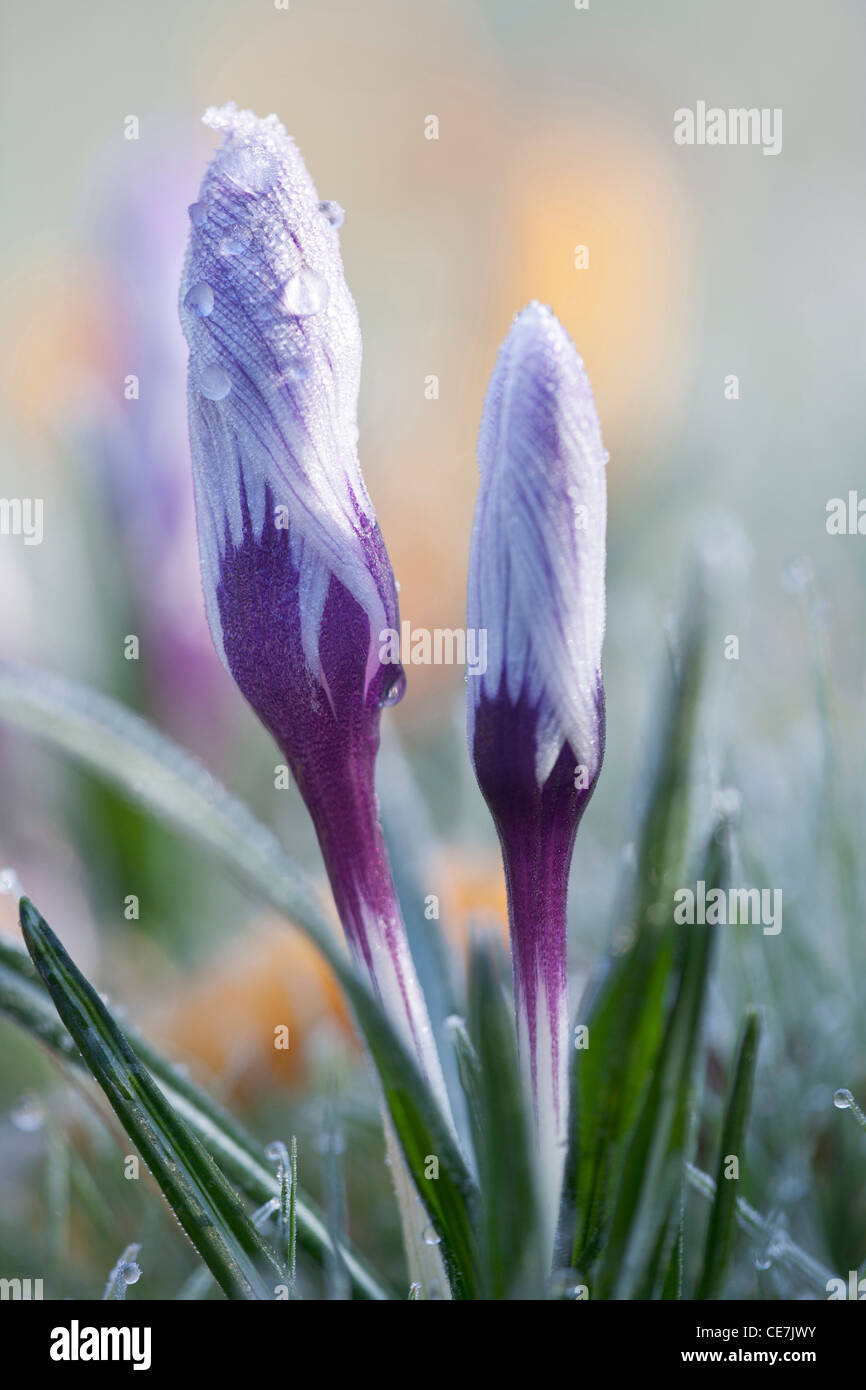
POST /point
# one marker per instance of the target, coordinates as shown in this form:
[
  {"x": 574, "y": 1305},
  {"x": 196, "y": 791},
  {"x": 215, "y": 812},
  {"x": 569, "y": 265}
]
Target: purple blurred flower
[
  {"x": 536, "y": 716},
  {"x": 296, "y": 577}
]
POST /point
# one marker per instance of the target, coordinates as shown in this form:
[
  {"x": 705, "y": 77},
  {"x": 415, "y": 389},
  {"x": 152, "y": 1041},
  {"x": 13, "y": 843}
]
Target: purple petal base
[
  {"x": 537, "y": 827},
  {"x": 329, "y": 735}
]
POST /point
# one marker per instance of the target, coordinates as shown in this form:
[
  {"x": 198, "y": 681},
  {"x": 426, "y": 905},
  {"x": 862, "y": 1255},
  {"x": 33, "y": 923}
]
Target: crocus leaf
[
  {"x": 786, "y": 1253},
  {"x": 511, "y": 1237},
  {"x": 638, "y": 1242},
  {"x": 242, "y": 1158},
  {"x": 625, "y": 1006},
  {"x": 446, "y": 1187},
  {"x": 194, "y": 1187},
  {"x": 176, "y": 786},
  {"x": 152, "y": 770},
  {"x": 721, "y": 1229}
]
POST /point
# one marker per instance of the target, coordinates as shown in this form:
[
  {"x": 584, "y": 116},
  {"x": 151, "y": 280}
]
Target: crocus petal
[
  {"x": 538, "y": 549},
  {"x": 275, "y": 359},
  {"x": 297, "y": 581},
  {"x": 536, "y": 715}
]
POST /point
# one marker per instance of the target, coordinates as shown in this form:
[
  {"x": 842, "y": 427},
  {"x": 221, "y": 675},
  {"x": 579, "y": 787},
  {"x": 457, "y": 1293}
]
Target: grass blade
[
  {"x": 721, "y": 1230},
  {"x": 645, "y": 1213},
  {"x": 153, "y": 770},
  {"x": 510, "y": 1229},
  {"x": 192, "y": 1184},
  {"x": 241, "y": 1157},
  {"x": 626, "y": 1006},
  {"x": 446, "y": 1187}
]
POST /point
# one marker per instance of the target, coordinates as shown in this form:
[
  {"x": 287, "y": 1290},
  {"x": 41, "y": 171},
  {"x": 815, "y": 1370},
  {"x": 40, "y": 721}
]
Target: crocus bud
[
  {"x": 536, "y": 715},
  {"x": 296, "y": 577}
]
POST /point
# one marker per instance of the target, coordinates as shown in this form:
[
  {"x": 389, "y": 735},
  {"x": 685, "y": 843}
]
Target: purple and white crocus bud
[
  {"x": 536, "y": 716},
  {"x": 296, "y": 577}
]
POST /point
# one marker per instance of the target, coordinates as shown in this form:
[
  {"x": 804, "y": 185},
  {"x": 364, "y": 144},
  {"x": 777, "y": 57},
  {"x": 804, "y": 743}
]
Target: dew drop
[
  {"x": 214, "y": 383},
  {"x": 395, "y": 691},
  {"x": 198, "y": 214},
  {"x": 28, "y": 1115},
  {"x": 843, "y": 1099},
  {"x": 236, "y": 241},
  {"x": 305, "y": 294},
  {"x": 131, "y": 1273},
  {"x": 200, "y": 299},
  {"x": 431, "y": 1235},
  {"x": 335, "y": 215},
  {"x": 763, "y": 1262}
]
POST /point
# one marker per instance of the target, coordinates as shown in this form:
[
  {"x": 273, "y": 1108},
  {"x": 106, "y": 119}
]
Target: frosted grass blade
[
  {"x": 241, "y": 1157},
  {"x": 189, "y": 1179},
  {"x": 721, "y": 1230}
]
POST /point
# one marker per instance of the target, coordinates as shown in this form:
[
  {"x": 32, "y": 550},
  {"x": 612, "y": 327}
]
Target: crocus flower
[
  {"x": 536, "y": 715},
  {"x": 297, "y": 581}
]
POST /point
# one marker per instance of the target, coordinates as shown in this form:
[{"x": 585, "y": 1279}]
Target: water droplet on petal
[
  {"x": 843, "y": 1099},
  {"x": 333, "y": 212},
  {"x": 214, "y": 383},
  {"x": 200, "y": 299},
  {"x": 395, "y": 690},
  {"x": 431, "y": 1235},
  {"x": 198, "y": 214},
  {"x": 28, "y": 1115},
  {"x": 131, "y": 1273},
  {"x": 306, "y": 293},
  {"x": 236, "y": 241}
]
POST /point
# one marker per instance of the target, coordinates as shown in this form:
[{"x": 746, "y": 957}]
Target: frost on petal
[
  {"x": 274, "y": 368},
  {"x": 538, "y": 543}
]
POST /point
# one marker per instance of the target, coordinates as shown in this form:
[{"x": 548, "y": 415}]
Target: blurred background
[{"x": 555, "y": 132}]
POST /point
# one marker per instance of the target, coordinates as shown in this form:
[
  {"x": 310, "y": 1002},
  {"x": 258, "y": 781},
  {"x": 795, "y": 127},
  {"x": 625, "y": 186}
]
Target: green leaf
[
  {"x": 627, "y": 1005},
  {"x": 639, "y": 1240},
  {"x": 510, "y": 1225},
  {"x": 176, "y": 787},
  {"x": 189, "y": 1179},
  {"x": 760, "y": 1228},
  {"x": 242, "y": 1158},
  {"x": 451, "y": 1197},
  {"x": 721, "y": 1229},
  {"x": 155, "y": 772}
]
